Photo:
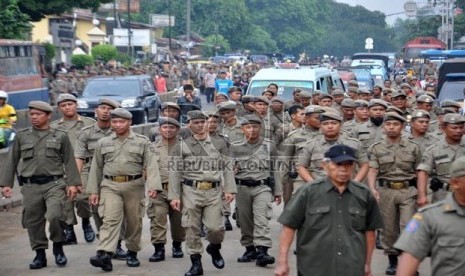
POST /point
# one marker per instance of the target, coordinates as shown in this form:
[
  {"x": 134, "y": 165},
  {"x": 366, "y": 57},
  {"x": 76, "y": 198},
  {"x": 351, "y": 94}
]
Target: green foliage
[
  {"x": 13, "y": 23},
  {"x": 80, "y": 61},
  {"x": 215, "y": 44},
  {"x": 49, "y": 50},
  {"x": 39, "y": 9},
  {"x": 104, "y": 52},
  {"x": 123, "y": 58}
]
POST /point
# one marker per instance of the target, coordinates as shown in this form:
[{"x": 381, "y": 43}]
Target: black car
[
  {"x": 135, "y": 93},
  {"x": 453, "y": 88}
]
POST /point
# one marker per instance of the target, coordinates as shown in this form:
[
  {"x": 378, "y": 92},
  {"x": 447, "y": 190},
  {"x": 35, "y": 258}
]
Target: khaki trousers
[{"x": 119, "y": 201}]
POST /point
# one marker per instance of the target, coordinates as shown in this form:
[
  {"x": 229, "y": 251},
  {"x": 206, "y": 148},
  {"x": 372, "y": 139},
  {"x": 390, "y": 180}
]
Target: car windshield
[
  {"x": 285, "y": 88},
  {"x": 452, "y": 91},
  {"x": 112, "y": 87}
]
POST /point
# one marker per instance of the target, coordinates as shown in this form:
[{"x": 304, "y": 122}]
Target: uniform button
[
  {"x": 339, "y": 197},
  {"x": 339, "y": 240},
  {"x": 339, "y": 253},
  {"x": 339, "y": 211},
  {"x": 339, "y": 226}
]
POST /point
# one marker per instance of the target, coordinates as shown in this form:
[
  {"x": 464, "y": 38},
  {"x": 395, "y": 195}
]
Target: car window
[
  {"x": 112, "y": 87},
  {"x": 452, "y": 91},
  {"x": 285, "y": 90}
]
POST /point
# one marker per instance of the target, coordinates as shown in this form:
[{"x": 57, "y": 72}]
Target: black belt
[
  {"x": 397, "y": 184},
  {"x": 164, "y": 186},
  {"x": 122, "y": 178},
  {"x": 87, "y": 160},
  {"x": 201, "y": 185},
  {"x": 251, "y": 183},
  {"x": 40, "y": 179}
]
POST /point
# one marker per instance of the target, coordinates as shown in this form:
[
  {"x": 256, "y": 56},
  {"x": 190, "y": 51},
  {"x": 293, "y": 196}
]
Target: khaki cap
[
  {"x": 398, "y": 93},
  {"x": 446, "y": 110},
  {"x": 352, "y": 90},
  {"x": 226, "y": 106},
  {"x": 364, "y": 91},
  {"x": 425, "y": 99},
  {"x": 212, "y": 114},
  {"x": 248, "y": 99},
  {"x": 168, "y": 120},
  {"x": 453, "y": 118},
  {"x": 330, "y": 116},
  {"x": 326, "y": 96},
  {"x": 348, "y": 103},
  {"x": 353, "y": 82},
  {"x": 392, "y": 108},
  {"x": 360, "y": 103},
  {"x": 457, "y": 168},
  {"x": 250, "y": 119},
  {"x": 277, "y": 99},
  {"x": 450, "y": 103},
  {"x": 313, "y": 109},
  {"x": 405, "y": 85},
  {"x": 374, "y": 102},
  {"x": 420, "y": 114},
  {"x": 66, "y": 98},
  {"x": 389, "y": 116},
  {"x": 170, "y": 104},
  {"x": 262, "y": 99},
  {"x": 109, "y": 102},
  {"x": 121, "y": 113},
  {"x": 337, "y": 92},
  {"x": 43, "y": 106},
  {"x": 305, "y": 94},
  {"x": 196, "y": 114}
]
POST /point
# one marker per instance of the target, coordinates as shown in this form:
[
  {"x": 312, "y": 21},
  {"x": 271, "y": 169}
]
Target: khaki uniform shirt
[
  {"x": 206, "y": 160},
  {"x": 164, "y": 153},
  {"x": 331, "y": 227},
  {"x": 311, "y": 157},
  {"x": 86, "y": 143},
  {"x": 424, "y": 142},
  {"x": 283, "y": 131},
  {"x": 116, "y": 157},
  {"x": 72, "y": 127},
  {"x": 437, "y": 159},
  {"x": 437, "y": 229},
  {"x": 42, "y": 153},
  {"x": 256, "y": 162},
  {"x": 349, "y": 125},
  {"x": 395, "y": 161},
  {"x": 367, "y": 133},
  {"x": 233, "y": 133}
]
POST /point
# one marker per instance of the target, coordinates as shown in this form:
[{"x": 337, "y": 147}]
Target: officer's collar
[
  {"x": 130, "y": 136},
  {"x": 450, "y": 205},
  {"x": 330, "y": 186}
]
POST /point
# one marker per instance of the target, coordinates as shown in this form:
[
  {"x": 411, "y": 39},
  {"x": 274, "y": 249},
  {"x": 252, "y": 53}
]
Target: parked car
[
  {"x": 453, "y": 88},
  {"x": 135, "y": 93},
  {"x": 364, "y": 78}
]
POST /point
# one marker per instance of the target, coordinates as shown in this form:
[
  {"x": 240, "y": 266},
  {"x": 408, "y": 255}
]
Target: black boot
[
  {"x": 89, "y": 234},
  {"x": 102, "y": 260},
  {"x": 227, "y": 224},
  {"x": 177, "y": 250},
  {"x": 378, "y": 240},
  {"x": 214, "y": 251},
  {"x": 40, "y": 260},
  {"x": 235, "y": 217},
  {"x": 196, "y": 268},
  {"x": 263, "y": 258},
  {"x": 159, "y": 254},
  {"x": 202, "y": 231},
  {"x": 70, "y": 235},
  {"x": 60, "y": 258},
  {"x": 392, "y": 267},
  {"x": 131, "y": 259},
  {"x": 250, "y": 255},
  {"x": 120, "y": 253}
]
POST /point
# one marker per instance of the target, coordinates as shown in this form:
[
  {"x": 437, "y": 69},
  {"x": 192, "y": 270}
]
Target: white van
[{"x": 309, "y": 78}]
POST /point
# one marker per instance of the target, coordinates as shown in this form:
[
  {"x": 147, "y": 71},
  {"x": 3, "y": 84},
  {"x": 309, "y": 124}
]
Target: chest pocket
[
  {"x": 357, "y": 218},
  {"x": 108, "y": 153},
  {"x": 27, "y": 151},
  {"x": 136, "y": 154},
  {"x": 316, "y": 160},
  {"x": 451, "y": 248},
  {"x": 364, "y": 136},
  {"x": 53, "y": 148},
  {"x": 406, "y": 161},
  {"x": 442, "y": 166},
  {"x": 318, "y": 217},
  {"x": 386, "y": 163}
]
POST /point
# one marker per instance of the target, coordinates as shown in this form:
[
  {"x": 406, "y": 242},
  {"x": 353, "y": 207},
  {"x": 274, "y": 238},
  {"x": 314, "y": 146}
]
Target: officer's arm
[
  {"x": 302, "y": 163},
  {"x": 176, "y": 167},
  {"x": 72, "y": 174},
  {"x": 153, "y": 181},
  {"x": 7, "y": 178},
  {"x": 96, "y": 172},
  {"x": 278, "y": 189},
  {"x": 285, "y": 241},
  {"x": 228, "y": 172},
  {"x": 408, "y": 265}
]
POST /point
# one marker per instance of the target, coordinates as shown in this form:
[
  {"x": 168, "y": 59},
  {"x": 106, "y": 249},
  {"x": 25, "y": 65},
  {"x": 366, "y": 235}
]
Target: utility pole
[
  {"x": 188, "y": 21},
  {"x": 169, "y": 25},
  {"x": 129, "y": 30}
]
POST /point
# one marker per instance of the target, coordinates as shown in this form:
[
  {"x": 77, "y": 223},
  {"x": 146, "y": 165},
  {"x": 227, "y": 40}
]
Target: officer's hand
[
  {"x": 282, "y": 269},
  {"x": 277, "y": 199},
  {"x": 93, "y": 199},
  {"x": 228, "y": 197},
  {"x": 152, "y": 194},
  {"x": 422, "y": 201},
  {"x": 79, "y": 189},
  {"x": 72, "y": 192},
  {"x": 375, "y": 194},
  {"x": 176, "y": 204},
  {"x": 368, "y": 270},
  {"x": 7, "y": 192}
]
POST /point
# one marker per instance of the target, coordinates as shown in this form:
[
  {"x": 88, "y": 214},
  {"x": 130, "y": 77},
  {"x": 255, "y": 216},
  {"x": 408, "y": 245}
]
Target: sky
[{"x": 385, "y": 6}]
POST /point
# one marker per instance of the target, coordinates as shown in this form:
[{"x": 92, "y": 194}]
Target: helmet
[{"x": 4, "y": 95}]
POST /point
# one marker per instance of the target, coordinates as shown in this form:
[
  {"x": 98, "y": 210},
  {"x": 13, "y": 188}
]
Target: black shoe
[
  {"x": 392, "y": 267},
  {"x": 196, "y": 268},
  {"x": 263, "y": 259},
  {"x": 102, "y": 260},
  {"x": 159, "y": 254},
  {"x": 60, "y": 257},
  {"x": 378, "y": 240},
  {"x": 202, "y": 231},
  {"x": 227, "y": 224},
  {"x": 120, "y": 253},
  {"x": 89, "y": 234},
  {"x": 39, "y": 261},
  {"x": 70, "y": 235},
  {"x": 236, "y": 218},
  {"x": 214, "y": 251},
  {"x": 177, "y": 250},
  {"x": 250, "y": 255},
  {"x": 131, "y": 259}
]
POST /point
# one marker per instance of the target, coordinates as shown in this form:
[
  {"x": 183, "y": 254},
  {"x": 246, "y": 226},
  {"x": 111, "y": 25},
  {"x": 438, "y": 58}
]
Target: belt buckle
[
  {"x": 397, "y": 185},
  {"x": 120, "y": 178},
  {"x": 204, "y": 185}
]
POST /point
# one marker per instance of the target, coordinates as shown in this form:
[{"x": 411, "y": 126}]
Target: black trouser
[{"x": 210, "y": 94}]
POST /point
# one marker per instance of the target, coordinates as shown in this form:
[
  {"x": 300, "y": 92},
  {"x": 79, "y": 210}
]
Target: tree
[
  {"x": 39, "y": 9},
  {"x": 13, "y": 23},
  {"x": 81, "y": 61},
  {"x": 104, "y": 52},
  {"x": 214, "y": 44}
]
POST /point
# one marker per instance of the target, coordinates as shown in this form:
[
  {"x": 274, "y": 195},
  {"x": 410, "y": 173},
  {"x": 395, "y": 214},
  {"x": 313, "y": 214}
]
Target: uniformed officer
[
  {"x": 84, "y": 151},
  {"x": 338, "y": 97},
  {"x": 57, "y": 87},
  {"x": 425, "y": 102},
  {"x": 347, "y": 109},
  {"x": 248, "y": 106},
  {"x": 269, "y": 126},
  {"x": 297, "y": 113},
  {"x": 310, "y": 161},
  {"x": 277, "y": 112},
  {"x": 305, "y": 98},
  {"x": 199, "y": 164},
  {"x": 159, "y": 208},
  {"x": 419, "y": 126},
  {"x": 393, "y": 161},
  {"x": 72, "y": 123},
  {"x": 437, "y": 159},
  {"x": 168, "y": 109},
  {"x": 335, "y": 219},
  {"x": 116, "y": 183},
  {"x": 361, "y": 115},
  {"x": 258, "y": 185},
  {"x": 438, "y": 230},
  {"x": 44, "y": 156},
  {"x": 399, "y": 100},
  {"x": 230, "y": 126}
]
